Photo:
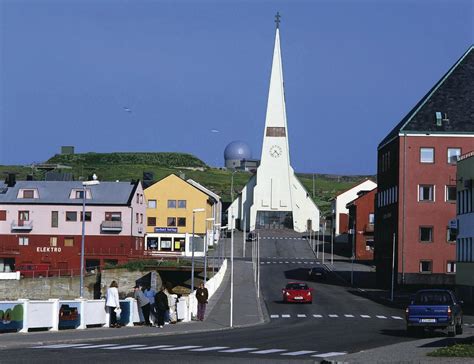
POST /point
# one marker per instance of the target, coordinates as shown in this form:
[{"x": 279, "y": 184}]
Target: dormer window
[
  {"x": 78, "y": 194},
  {"x": 28, "y": 193}
]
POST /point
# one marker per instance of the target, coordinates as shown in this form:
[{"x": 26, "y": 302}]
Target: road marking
[
  {"x": 318, "y": 316},
  {"x": 95, "y": 346},
  {"x": 123, "y": 347},
  {"x": 182, "y": 347},
  {"x": 269, "y": 351},
  {"x": 211, "y": 348},
  {"x": 57, "y": 346},
  {"x": 397, "y": 318},
  {"x": 333, "y": 315},
  {"x": 274, "y": 316},
  {"x": 365, "y": 316},
  {"x": 285, "y": 316},
  {"x": 153, "y": 347},
  {"x": 300, "y": 262},
  {"x": 326, "y": 355},
  {"x": 302, "y": 352},
  {"x": 286, "y": 262},
  {"x": 349, "y": 315},
  {"x": 381, "y": 317},
  {"x": 239, "y": 350},
  {"x": 301, "y": 315}
]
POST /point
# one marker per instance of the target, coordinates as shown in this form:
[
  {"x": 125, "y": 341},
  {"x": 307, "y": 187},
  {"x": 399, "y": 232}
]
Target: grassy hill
[{"x": 128, "y": 166}]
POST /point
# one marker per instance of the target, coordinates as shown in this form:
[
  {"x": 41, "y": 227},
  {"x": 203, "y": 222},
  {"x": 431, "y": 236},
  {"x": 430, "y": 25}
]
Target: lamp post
[
  {"x": 214, "y": 226},
  {"x": 84, "y": 192},
  {"x": 192, "y": 248},
  {"x": 232, "y": 270},
  {"x": 232, "y": 187},
  {"x": 205, "y": 250}
]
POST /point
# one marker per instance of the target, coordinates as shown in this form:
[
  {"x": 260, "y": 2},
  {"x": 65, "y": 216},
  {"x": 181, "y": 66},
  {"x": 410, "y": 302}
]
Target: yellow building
[{"x": 170, "y": 205}]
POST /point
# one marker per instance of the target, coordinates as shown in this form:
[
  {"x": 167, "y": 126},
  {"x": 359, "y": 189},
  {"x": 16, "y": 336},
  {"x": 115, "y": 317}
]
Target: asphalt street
[{"x": 340, "y": 321}]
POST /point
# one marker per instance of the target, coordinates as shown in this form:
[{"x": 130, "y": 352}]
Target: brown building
[
  {"x": 416, "y": 177},
  {"x": 361, "y": 223}
]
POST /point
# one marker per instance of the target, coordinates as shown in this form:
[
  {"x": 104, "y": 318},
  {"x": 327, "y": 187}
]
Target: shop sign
[
  {"x": 48, "y": 249},
  {"x": 166, "y": 230}
]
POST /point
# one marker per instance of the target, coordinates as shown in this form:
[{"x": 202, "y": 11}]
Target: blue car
[{"x": 435, "y": 309}]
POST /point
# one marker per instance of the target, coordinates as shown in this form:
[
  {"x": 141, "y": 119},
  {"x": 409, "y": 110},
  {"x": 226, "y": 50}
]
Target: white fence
[
  {"x": 10, "y": 276},
  {"x": 55, "y": 314}
]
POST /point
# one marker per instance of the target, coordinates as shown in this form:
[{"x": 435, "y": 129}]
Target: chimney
[{"x": 11, "y": 180}]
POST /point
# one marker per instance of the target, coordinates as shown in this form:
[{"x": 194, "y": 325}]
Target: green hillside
[{"x": 128, "y": 166}]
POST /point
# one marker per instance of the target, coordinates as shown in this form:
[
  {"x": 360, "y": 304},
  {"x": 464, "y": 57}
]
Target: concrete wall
[{"x": 126, "y": 281}]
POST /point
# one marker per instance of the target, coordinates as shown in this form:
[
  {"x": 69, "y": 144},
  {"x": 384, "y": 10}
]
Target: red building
[
  {"x": 41, "y": 224},
  {"x": 361, "y": 223},
  {"x": 416, "y": 177}
]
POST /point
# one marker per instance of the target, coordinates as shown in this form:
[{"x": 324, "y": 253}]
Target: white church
[{"x": 274, "y": 198}]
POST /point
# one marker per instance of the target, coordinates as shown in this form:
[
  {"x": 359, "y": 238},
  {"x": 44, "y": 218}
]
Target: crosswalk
[
  {"x": 196, "y": 349},
  {"x": 334, "y": 316}
]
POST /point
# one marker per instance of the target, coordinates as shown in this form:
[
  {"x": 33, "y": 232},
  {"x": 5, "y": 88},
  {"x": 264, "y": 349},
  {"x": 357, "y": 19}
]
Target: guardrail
[{"x": 54, "y": 314}]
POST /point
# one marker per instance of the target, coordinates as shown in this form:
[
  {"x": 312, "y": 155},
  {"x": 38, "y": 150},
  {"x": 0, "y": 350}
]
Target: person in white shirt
[{"x": 112, "y": 303}]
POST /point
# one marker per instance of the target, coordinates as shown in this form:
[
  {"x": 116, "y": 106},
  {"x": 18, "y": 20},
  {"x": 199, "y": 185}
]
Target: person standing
[
  {"x": 150, "y": 294},
  {"x": 143, "y": 304},
  {"x": 161, "y": 306},
  {"x": 112, "y": 303},
  {"x": 202, "y": 296}
]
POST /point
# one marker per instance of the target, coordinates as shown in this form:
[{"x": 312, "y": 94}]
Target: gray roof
[
  {"x": 58, "y": 192},
  {"x": 452, "y": 95}
]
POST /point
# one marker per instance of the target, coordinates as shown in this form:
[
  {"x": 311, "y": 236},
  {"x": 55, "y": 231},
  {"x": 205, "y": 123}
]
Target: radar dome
[{"x": 237, "y": 150}]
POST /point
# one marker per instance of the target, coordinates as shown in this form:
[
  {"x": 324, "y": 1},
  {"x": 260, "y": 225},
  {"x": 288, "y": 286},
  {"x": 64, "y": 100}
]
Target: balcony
[
  {"x": 111, "y": 226},
  {"x": 22, "y": 225}
]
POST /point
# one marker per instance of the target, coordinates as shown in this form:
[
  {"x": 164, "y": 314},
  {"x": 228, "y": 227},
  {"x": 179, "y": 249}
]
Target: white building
[
  {"x": 339, "y": 210},
  {"x": 274, "y": 198}
]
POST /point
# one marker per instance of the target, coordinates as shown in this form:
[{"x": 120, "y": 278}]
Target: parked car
[
  {"x": 297, "y": 292},
  {"x": 317, "y": 273},
  {"x": 30, "y": 270},
  {"x": 435, "y": 309}
]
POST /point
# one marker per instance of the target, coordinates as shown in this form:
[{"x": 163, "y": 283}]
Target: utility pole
[
  {"x": 352, "y": 257},
  {"x": 324, "y": 237},
  {"x": 244, "y": 235},
  {"x": 232, "y": 270},
  {"x": 393, "y": 267}
]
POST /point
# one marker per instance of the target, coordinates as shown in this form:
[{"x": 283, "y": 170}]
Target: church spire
[{"x": 277, "y": 19}]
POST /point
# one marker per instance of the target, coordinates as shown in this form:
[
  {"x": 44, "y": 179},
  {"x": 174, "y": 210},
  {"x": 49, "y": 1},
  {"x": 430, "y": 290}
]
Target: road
[{"x": 340, "y": 320}]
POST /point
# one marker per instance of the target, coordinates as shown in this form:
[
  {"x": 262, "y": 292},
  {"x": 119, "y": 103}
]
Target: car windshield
[
  {"x": 433, "y": 298},
  {"x": 296, "y": 286}
]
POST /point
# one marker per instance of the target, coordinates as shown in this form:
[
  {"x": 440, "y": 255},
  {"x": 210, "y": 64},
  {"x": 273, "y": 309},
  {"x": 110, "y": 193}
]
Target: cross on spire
[{"x": 277, "y": 19}]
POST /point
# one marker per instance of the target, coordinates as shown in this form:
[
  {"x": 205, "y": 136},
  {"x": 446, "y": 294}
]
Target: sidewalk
[{"x": 247, "y": 311}]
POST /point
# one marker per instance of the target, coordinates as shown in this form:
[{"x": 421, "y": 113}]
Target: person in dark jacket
[
  {"x": 201, "y": 295},
  {"x": 161, "y": 306}
]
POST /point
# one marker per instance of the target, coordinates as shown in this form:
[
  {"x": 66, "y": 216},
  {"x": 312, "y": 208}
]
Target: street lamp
[
  {"x": 192, "y": 248},
  {"x": 214, "y": 226},
  {"x": 205, "y": 250},
  {"x": 84, "y": 191},
  {"x": 232, "y": 186}
]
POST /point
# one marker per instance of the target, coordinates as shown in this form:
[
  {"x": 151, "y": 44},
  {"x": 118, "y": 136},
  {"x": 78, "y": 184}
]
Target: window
[
  {"x": 141, "y": 218},
  {"x": 69, "y": 241},
  {"x": 141, "y": 199},
  {"x": 151, "y": 221},
  {"x": 450, "y": 193},
  {"x": 79, "y": 194},
  {"x": 371, "y": 219},
  {"x": 181, "y": 204},
  {"x": 450, "y": 235},
  {"x": 71, "y": 216},
  {"x": 426, "y": 193},
  {"x": 181, "y": 221},
  {"x": 138, "y": 197},
  {"x": 453, "y": 154},
  {"x": 451, "y": 267},
  {"x": 171, "y": 204},
  {"x": 369, "y": 245},
  {"x": 426, "y": 155},
  {"x": 171, "y": 221},
  {"x": 3, "y": 215},
  {"x": 23, "y": 240},
  {"x": 426, "y": 234},
  {"x": 54, "y": 219},
  {"x": 24, "y": 215},
  {"x": 137, "y": 217},
  {"x": 28, "y": 194},
  {"x": 113, "y": 216},
  {"x": 426, "y": 266},
  {"x": 53, "y": 241},
  {"x": 88, "y": 215},
  {"x": 152, "y": 204}
]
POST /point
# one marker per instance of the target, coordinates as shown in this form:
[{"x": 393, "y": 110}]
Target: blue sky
[{"x": 352, "y": 69}]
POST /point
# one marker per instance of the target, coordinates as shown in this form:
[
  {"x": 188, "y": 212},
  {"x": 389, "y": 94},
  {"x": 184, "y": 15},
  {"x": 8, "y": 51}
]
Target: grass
[
  {"x": 457, "y": 350},
  {"x": 130, "y": 166},
  {"x": 142, "y": 265}
]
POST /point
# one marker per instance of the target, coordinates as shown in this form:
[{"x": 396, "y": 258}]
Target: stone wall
[{"x": 126, "y": 280}]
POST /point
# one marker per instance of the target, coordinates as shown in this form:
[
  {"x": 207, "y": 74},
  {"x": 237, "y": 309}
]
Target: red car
[{"x": 297, "y": 292}]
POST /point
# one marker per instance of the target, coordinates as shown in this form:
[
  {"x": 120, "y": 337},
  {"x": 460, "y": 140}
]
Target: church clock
[{"x": 275, "y": 151}]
